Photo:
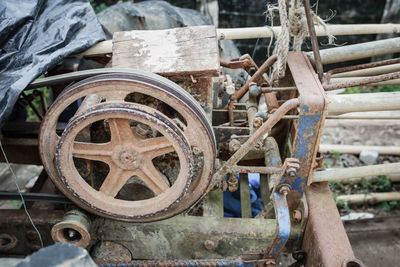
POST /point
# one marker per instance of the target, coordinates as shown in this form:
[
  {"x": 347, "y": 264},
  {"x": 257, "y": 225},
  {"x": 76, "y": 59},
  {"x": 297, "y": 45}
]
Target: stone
[{"x": 369, "y": 156}]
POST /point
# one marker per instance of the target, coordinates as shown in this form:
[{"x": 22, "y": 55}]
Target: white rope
[{"x": 293, "y": 25}]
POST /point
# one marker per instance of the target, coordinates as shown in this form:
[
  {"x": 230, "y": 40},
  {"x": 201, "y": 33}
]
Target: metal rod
[
  {"x": 248, "y": 145},
  {"x": 364, "y": 66},
  {"x": 253, "y": 169},
  {"x": 291, "y": 117},
  {"x": 314, "y": 40},
  {"x": 354, "y": 149},
  {"x": 278, "y": 89},
  {"x": 363, "y": 81},
  {"x": 261, "y": 70},
  {"x": 339, "y": 174},
  {"x": 369, "y": 71}
]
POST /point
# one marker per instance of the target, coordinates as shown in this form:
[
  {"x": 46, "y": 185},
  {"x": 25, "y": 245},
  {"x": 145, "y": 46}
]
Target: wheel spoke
[
  {"x": 153, "y": 178},
  {"x": 92, "y": 151},
  {"x": 157, "y": 146},
  {"x": 115, "y": 180},
  {"x": 121, "y": 132}
]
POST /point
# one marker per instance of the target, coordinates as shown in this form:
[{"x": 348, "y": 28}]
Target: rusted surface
[
  {"x": 73, "y": 229},
  {"x": 272, "y": 102},
  {"x": 363, "y": 81},
  {"x": 254, "y": 169},
  {"x": 257, "y": 76},
  {"x": 360, "y": 67},
  {"x": 325, "y": 240},
  {"x": 16, "y": 223},
  {"x": 185, "y": 237},
  {"x": 127, "y": 154},
  {"x": 7, "y": 242},
  {"x": 198, "y": 130},
  {"x": 189, "y": 263},
  {"x": 313, "y": 38},
  {"x": 309, "y": 127},
  {"x": 248, "y": 145},
  {"x": 110, "y": 252},
  {"x": 202, "y": 92}
]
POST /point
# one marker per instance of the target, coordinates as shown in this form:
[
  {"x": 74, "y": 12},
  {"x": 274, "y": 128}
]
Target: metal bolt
[
  {"x": 234, "y": 145},
  {"x": 284, "y": 190},
  {"x": 209, "y": 245},
  {"x": 296, "y": 216},
  {"x": 257, "y": 122}
]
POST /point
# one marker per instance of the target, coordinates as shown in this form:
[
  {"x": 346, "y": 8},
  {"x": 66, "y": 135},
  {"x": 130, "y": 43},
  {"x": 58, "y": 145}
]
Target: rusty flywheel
[{"x": 178, "y": 126}]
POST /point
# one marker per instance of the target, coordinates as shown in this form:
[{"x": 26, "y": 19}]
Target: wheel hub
[{"x": 126, "y": 159}]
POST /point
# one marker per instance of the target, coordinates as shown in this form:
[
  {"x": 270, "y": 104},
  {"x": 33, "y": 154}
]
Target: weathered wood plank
[{"x": 172, "y": 52}]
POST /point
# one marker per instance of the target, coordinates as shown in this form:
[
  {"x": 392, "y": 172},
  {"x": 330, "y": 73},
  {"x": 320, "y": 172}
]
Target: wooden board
[{"x": 173, "y": 52}]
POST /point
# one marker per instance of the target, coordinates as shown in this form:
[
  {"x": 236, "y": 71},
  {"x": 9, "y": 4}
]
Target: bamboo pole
[
  {"x": 352, "y": 79},
  {"x": 340, "y": 174},
  {"x": 357, "y": 51},
  {"x": 105, "y": 47},
  {"x": 339, "y": 104},
  {"x": 339, "y": 29},
  {"x": 370, "y": 198},
  {"x": 354, "y": 149},
  {"x": 368, "y": 72},
  {"x": 394, "y": 178}
]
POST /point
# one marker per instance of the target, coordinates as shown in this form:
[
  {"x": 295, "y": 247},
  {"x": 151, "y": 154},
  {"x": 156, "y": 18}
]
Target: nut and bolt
[
  {"x": 257, "y": 122},
  {"x": 296, "y": 216},
  {"x": 209, "y": 245},
  {"x": 284, "y": 189},
  {"x": 233, "y": 184},
  {"x": 234, "y": 145}
]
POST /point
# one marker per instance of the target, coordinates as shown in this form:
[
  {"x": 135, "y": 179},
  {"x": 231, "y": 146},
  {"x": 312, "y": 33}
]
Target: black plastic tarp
[{"x": 35, "y": 35}]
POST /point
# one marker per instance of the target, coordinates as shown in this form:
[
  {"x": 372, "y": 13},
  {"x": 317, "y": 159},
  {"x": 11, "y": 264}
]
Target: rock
[
  {"x": 357, "y": 216},
  {"x": 369, "y": 156}
]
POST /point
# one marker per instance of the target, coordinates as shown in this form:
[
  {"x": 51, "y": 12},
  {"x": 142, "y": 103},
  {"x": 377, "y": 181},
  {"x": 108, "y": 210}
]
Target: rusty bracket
[
  {"x": 244, "y": 62},
  {"x": 312, "y": 110}
]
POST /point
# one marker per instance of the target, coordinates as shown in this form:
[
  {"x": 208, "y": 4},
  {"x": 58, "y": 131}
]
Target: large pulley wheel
[
  {"x": 129, "y": 156},
  {"x": 184, "y": 112}
]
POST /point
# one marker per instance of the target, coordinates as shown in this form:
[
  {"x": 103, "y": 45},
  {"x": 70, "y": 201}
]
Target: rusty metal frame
[
  {"x": 325, "y": 241},
  {"x": 312, "y": 110}
]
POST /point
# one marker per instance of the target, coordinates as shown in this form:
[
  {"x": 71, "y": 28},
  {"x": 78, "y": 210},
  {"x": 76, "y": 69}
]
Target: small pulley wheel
[{"x": 129, "y": 157}]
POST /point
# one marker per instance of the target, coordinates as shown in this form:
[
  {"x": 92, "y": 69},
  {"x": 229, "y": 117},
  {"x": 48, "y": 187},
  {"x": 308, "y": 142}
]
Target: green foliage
[
  {"x": 388, "y": 205},
  {"x": 372, "y": 89},
  {"x": 97, "y": 7},
  {"x": 383, "y": 183},
  {"x": 36, "y": 103},
  {"x": 344, "y": 205},
  {"x": 337, "y": 186},
  {"x": 335, "y": 154}
]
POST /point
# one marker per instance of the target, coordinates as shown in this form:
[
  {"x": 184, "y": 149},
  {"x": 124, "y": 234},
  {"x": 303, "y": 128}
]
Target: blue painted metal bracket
[
  {"x": 282, "y": 226},
  {"x": 313, "y": 102}
]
